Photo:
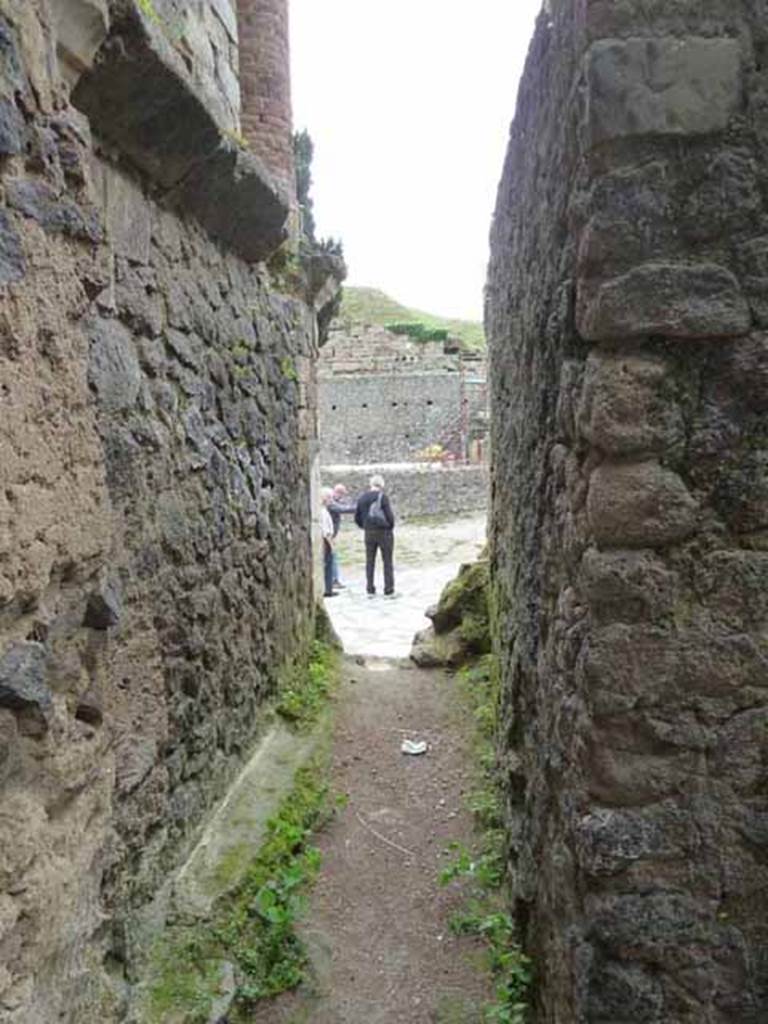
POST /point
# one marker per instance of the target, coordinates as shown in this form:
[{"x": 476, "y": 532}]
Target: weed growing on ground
[
  {"x": 253, "y": 928},
  {"x": 257, "y": 926},
  {"x": 485, "y": 914},
  {"x": 305, "y": 690}
]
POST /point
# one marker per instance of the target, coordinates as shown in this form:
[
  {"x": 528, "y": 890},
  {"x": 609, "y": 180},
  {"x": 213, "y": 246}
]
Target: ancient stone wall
[
  {"x": 154, "y": 509},
  {"x": 419, "y": 489},
  {"x": 627, "y": 321},
  {"x": 205, "y": 33},
  {"x": 384, "y": 397},
  {"x": 354, "y": 348},
  {"x": 392, "y": 418}
]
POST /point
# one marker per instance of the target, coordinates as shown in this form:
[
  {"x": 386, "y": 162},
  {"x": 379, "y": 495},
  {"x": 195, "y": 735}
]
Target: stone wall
[
  {"x": 354, "y": 348},
  {"x": 384, "y": 397},
  {"x": 205, "y": 33},
  {"x": 154, "y": 512},
  {"x": 391, "y": 418},
  {"x": 626, "y": 317},
  {"x": 419, "y": 489}
]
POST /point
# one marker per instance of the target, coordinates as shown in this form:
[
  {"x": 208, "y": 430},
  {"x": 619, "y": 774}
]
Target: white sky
[{"x": 408, "y": 103}]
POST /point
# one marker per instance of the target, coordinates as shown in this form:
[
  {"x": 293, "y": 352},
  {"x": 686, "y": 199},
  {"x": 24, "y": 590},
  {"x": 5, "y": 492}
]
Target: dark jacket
[
  {"x": 337, "y": 511},
  {"x": 365, "y": 501}
]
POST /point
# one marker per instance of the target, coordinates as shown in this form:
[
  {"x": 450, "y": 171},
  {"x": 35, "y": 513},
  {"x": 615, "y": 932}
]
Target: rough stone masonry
[
  {"x": 628, "y": 322},
  {"x": 155, "y": 440}
]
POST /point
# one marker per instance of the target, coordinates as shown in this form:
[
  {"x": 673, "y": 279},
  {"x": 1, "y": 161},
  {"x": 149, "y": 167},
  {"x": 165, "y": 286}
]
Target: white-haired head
[
  {"x": 377, "y": 481},
  {"x": 326, "y": 494}
]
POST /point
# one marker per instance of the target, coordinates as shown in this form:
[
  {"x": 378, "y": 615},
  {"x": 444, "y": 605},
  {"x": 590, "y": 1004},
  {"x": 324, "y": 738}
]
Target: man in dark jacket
[{"x": 374, "y": 515}]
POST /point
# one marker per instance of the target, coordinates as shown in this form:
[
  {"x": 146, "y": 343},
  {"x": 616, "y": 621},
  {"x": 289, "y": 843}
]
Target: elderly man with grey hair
[
  {"x": 374, "y": 515},
  {"x": 326, "y": 528}
]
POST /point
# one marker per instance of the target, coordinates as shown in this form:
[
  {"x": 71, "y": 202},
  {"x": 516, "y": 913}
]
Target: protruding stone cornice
[{"x": 139, "y": 98}]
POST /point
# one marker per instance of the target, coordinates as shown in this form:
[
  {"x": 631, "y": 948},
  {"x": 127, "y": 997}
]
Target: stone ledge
[{"x": 139, "y": 98}]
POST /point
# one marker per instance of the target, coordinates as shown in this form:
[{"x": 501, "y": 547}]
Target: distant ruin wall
[
  {"x": 627, "y": 316},
  {"x": 154, "y": 516},
  {"x": 419, "y": 490},
  {"x": 389, "y": 418}
]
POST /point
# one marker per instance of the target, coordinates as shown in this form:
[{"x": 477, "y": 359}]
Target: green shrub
[{"x": 419, "y": 331}]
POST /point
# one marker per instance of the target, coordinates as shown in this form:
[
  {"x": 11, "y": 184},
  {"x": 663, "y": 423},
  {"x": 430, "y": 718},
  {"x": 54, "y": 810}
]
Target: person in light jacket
[
  {"x": 338, "y": 506},
  {"x": 326, "y": 527},
  {"x": 374, "y": 516}
]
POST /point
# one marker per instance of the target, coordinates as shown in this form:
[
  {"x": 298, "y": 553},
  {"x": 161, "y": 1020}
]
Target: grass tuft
[{"x": 305, "y": 690}]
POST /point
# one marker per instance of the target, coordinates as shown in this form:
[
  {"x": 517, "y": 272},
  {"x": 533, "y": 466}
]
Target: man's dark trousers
[
  {"x": 379, "y": 539},
  {"x": 327, "y": 567}
]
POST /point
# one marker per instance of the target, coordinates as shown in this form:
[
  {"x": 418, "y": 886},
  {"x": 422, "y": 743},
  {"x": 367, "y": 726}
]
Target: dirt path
[{"x": 378, "y": 921}]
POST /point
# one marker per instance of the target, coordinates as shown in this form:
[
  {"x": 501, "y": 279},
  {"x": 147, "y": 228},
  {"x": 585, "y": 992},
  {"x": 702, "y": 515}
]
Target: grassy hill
[{"x": 370, "y": 306}]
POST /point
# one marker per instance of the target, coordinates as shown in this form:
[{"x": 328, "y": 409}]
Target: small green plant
[
  {"x": 240, "y": 350},
  {"x": 485, "y": 914},
  {"x": 485, "y": 869},
  {"x": 305, "y": 690},
  {"x": 253, "y": 928},
  {"x": 147, "y": 8},
  {"x": 288, "y": 368},
  {"x": 234, "y": 136}
]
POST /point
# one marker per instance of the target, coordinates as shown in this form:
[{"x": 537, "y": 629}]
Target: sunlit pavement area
[{"x": 427, "y": 556}]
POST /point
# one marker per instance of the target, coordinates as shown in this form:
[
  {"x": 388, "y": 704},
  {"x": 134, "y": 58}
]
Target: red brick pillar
[{"x": 265, "y": 85}]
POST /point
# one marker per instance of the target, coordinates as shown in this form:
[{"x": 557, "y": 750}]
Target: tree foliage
[{"x": 304, "y": 149}]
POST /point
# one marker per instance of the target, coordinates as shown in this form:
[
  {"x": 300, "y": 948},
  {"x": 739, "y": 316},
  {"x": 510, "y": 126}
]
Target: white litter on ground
[{"x": 414, "y": 746}]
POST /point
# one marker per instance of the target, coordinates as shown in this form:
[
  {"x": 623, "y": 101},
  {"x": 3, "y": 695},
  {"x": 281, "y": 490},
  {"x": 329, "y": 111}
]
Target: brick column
[{"x": 265, "y": 84}]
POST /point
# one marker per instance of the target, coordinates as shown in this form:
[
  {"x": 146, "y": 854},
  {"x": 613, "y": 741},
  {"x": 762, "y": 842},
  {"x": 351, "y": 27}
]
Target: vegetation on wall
[
  {"x": 303, "y": 151},
  {"x": 317, "y": 261}
]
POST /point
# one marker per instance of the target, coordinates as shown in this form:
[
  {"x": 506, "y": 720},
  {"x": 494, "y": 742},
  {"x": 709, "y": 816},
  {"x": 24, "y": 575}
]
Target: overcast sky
[{"x": 409, "y": 103}]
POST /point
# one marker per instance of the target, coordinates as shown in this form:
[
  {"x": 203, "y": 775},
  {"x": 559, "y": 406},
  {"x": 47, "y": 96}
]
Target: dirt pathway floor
[{"x": 377, "y": 925}]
